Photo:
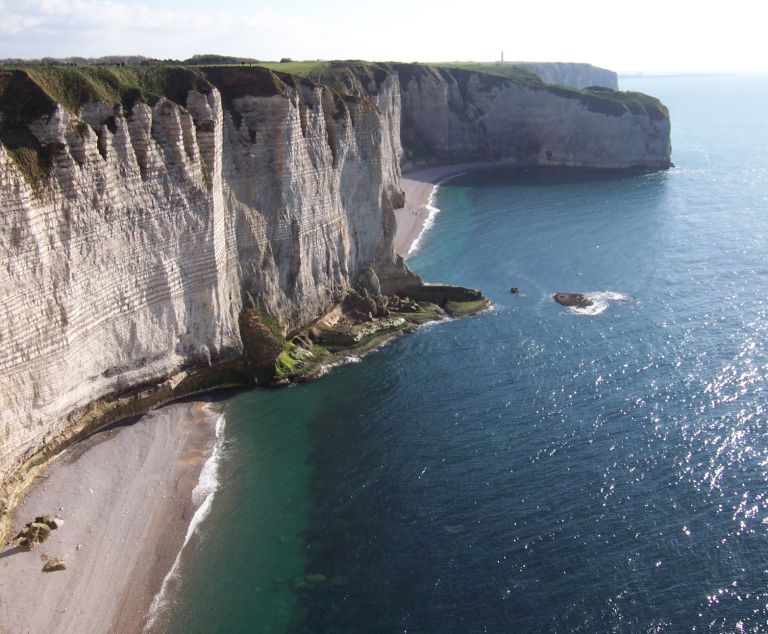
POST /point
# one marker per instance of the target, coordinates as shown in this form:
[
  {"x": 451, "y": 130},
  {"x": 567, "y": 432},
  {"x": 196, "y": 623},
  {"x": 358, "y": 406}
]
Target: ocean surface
[{"x": 531, "y": 469}]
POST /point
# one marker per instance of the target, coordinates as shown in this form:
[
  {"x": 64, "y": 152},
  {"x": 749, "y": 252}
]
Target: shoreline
[
  {"x": 419, "y": 187},
  {"x": 131, "y": 496},
  {"x": 128, "y": 497}
]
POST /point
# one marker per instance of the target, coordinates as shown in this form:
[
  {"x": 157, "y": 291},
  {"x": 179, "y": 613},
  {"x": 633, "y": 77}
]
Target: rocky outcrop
[
  {"x": 454, "y": 115},
  {"x": 160, "y": 225},
  {"x": 574, "y": 75},
  {"x": 573, "y": 300},
  {"x": 54, "y": 564},
  {"x": 37, "y": 531}
]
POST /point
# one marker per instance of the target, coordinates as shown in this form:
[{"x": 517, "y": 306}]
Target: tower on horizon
[{"x": 502, "y": 57}]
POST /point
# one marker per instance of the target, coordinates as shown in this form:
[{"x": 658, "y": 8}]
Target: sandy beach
[
  {"x": 125, "y": 495},
  {"x": 418, "y": 186}
]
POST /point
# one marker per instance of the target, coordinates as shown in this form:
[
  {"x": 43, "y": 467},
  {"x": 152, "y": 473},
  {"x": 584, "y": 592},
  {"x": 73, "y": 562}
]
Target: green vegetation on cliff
[
  {"x": 345, "y": 77},
  {"x": 31, "y": 92},
  {"x": 28, "y": 93},
  {"x": 340, "y": 75},
  {"x": 508, "y": 71},
  {"x": 596, "y": 99}
]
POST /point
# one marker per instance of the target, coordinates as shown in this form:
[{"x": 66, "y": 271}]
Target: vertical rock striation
[
  {"x": 142, "y": 213},
  {"x": 132, "y": 260}
]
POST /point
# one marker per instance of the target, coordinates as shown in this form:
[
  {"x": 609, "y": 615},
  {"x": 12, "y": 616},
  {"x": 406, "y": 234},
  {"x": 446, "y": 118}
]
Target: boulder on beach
[
  {"x": 32, "y": 534},
  {"x": 573, "y": 300},
  {"x": 36, "y": 532},
  {"x": 52, "y": 521},
  {"x": 56, "y": 563}
]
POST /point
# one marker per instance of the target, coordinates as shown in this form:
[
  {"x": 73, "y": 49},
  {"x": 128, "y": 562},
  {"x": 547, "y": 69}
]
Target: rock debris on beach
[
  {"x": 37, "y": 531},
  {"x": 56, "y": 563}
]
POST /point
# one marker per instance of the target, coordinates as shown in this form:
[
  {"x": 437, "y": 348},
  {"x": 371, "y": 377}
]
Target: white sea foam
[
  {"x": 202, "y": 497},
  {"x": 327, "y": 367},
  {"x": 600, "y": 301},
  {"x": 433, "y": 211}
]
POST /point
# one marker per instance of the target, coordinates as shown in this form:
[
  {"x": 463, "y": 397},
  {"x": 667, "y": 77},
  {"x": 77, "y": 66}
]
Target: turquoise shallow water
[{"x": 530, "y": 469}]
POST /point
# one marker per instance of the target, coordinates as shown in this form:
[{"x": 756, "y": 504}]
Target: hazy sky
[{"x": 651, "y": 35}]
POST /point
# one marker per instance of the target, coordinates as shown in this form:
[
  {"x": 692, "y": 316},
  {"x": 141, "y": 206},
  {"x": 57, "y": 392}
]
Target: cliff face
[
  {"x": 452, "y": 115},
  {"x": 574, "y": 75},
  {"x": 133, "y": 259},
  {"x": 134, "y": 235}
]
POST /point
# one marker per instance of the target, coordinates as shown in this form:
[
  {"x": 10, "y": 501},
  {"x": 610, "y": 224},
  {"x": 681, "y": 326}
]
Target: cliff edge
[{"x": 167, "y": 230}]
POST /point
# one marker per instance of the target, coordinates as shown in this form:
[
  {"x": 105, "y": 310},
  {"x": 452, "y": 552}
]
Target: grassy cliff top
[
  {"x": 337, "y": 75},
  {"x": 30, "y": 92},
  {"x": 596, "y": 99},
  {"x": 74, "y": 86},
  {"x": 507, "y": 71},
  {"x": 26, "y": 93}
]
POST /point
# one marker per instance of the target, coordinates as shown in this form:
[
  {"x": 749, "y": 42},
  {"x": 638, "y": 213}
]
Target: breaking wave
[
  {"x": 202, "y": 497},
  {"x": 433, "y": 211},
  {"x": 600, "y": 301}
]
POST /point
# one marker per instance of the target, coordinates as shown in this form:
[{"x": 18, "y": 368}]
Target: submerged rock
[
  {"x": 573, "y": 300},
  {"x": 308, "y": 582}
]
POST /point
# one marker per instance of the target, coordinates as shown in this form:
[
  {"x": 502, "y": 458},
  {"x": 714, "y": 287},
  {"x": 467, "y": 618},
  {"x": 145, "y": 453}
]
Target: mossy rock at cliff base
[
  {"x": 427, "y": 312},
  {"x": 464, "y": 309},
  {"x": 299, "y": 361}
]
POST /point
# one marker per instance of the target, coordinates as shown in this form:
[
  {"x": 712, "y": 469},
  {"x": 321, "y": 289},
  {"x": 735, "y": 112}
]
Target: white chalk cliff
[
  {"x": 574, "y": 75},
  {"x": 452, "y": 115},
  {"x": 127, "y": 264}
]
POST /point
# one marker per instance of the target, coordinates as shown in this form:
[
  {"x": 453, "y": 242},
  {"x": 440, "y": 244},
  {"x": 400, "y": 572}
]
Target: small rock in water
[
  {"x": 56, "y": 563},
  {"x": 573, "y": 300},
  {"x": 316, "y": 579},
  {"x": 308, "y": 582}
]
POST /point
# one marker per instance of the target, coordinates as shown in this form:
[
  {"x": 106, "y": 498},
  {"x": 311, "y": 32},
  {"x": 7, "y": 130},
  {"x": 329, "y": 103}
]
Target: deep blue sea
[{"x": 530, "y": 469}]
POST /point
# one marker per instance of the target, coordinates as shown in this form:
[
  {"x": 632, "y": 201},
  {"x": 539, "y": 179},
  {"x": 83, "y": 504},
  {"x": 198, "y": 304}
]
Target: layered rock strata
[
  {"x": 155, "y": 224},
  {"x": 132, "y": 260}
]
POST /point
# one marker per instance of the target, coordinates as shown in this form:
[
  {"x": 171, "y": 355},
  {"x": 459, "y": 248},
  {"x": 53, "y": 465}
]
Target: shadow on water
[
  {"x": 544, "y": 176},
  {"x": 484, "y": 174}
]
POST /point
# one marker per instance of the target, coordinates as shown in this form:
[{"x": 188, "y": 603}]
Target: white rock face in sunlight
[
  {"x": 456, "y": 116},
  {"x": 155, "y": 225},
  {"x": 132, "y": 260}
]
